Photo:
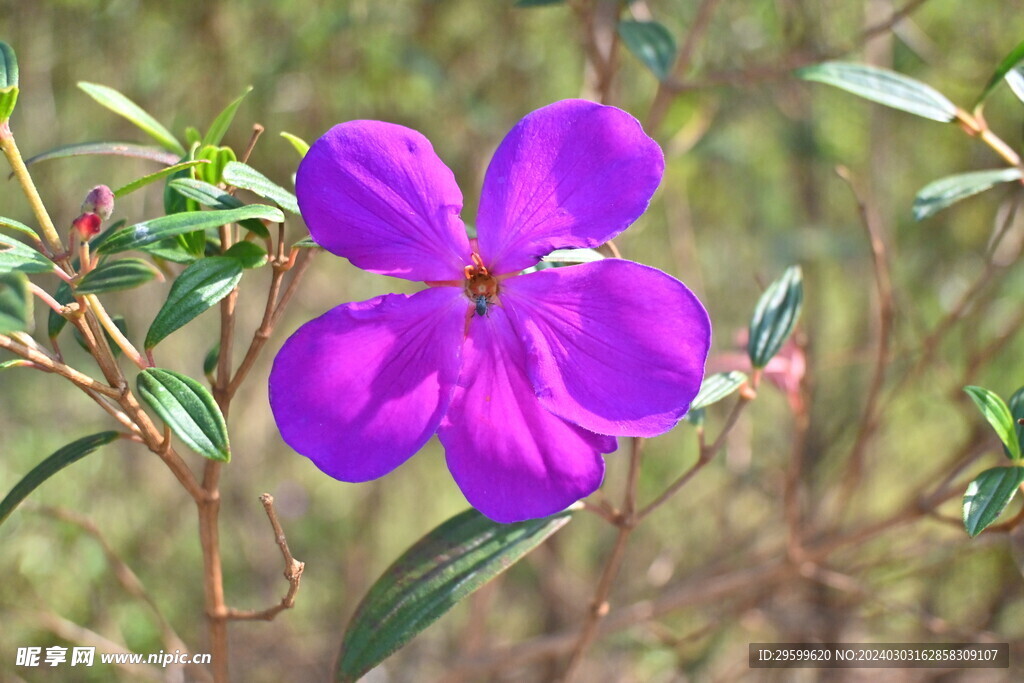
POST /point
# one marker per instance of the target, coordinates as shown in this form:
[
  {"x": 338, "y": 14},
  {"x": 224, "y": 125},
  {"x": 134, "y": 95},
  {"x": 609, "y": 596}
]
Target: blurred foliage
[{"x": 749, "y": 189}]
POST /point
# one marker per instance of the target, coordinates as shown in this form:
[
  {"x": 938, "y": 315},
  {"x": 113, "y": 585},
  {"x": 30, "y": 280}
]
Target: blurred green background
[{"x": 750, "y": 188}]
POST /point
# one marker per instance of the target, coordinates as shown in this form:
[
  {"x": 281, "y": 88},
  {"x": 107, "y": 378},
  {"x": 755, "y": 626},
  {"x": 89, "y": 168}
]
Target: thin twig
[{"x": 43, "y": 361}]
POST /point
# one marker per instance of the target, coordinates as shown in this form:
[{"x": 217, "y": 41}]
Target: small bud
[
  {"x": 100, "y": 200},
  {"x": 87, "y": 225}
]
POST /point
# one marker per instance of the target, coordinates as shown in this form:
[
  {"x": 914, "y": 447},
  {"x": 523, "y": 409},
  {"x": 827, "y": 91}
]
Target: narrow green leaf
[
  {"x": 573, "y": 256},
  {"x": 12, "y": 224},
  {"x": 223, "y": 121},
  {"x": 885, "y": 87},
  {"x": 193, "y": 136},
  {"x": 988, "y": 495},
  {"x": 716, "y": 387},
  {"x": 157, "y": 229},
  {"x": 8, "y": 100},
  {"x": 210, "y": 195},
  {"x": 248, "y": 178},
  {"x": 249, "y": 254},
  {"x": 1009, "y": 62},
  {"x": 188, "y": 409},
  {"x": 219, "y": 157},
  {"x": 16, "y": 363},
  {"x": 162, "y": 173},
  {"x": 120, "y": 149},
  {"x": 169, "y": 250},
  {"x": 211, "y": 359},
  {"x": 300, "y": 145},
  {"x": 306, "y": 243},
  {"x": 113, "y": 276},
  {"x": 73, "y": 452},
  {"x": 944, "y": 192},
  {"x": 121, "y": 105},
  {"x": 16, "y": 256},
  {"x": 8, "y": 66},
  {"x": 438, "y": 571},
  {"x": 199, "y": 287},
  {"x": 775, "y": 316},
  {"x": 56, "y": 322},
  {"x": 651, "y": 43},
  {"x": 1016, "y": 406},
  {"x": 998, "y": 415},
  {"x": 15, "y": 303}
]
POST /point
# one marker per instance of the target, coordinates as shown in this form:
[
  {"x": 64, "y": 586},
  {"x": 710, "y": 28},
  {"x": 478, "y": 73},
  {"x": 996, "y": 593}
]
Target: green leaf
[
  {"x": 775, "y": 316},
  {"x": 199, "y": 287},
  {"x": 573, "y": 256},
  {"x": 223, "y": 121},
  {"x": 192, "y": 136},
  {"x": 219, "y": 157},
  {"x": 716, "y": 387},
  {"x": 438, "y": 571},
  {"x": 113, "y": 276},
  {"x": 944, "y": 192},
  {"x": 1016, "y": 406},
  {"x": 148, "y": 232},
  {"x": 248, "y": 178},
  {"x": 8, "y": 99},
  {"x": 120, "y": 149},
  {"x": 188, "y": 409},
  {"x": 988, "y": 495},
  {"x": 8, "y": 66},
  {"x": 56, "y": 322},
  {"x": 119, "y": 322},
  {"x": 15, "y": 303},
  {"x": 162, "y": 173},
  {"x": 248, "y": 254},
  {"x": 12, "y": 224},
  {"x": 73, "y": 452},
  {"x": 998, "y": 415},
  {"x": 306, "y": 243},
  {"x": 211, "y": 359},
  {"x": 210, "y": 195},
  {"x": 121, "y": 105},
  {"x": 885, "y": 87},
  {"x": 1009, "y": 62},
  {"x": 300, "y": 145},
  {"x": 651, "y": 43},
  {"x": 16, "y": 256}
]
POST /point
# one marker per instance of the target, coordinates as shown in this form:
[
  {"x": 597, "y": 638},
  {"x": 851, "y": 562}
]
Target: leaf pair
[{"x": 991, "y": 491}]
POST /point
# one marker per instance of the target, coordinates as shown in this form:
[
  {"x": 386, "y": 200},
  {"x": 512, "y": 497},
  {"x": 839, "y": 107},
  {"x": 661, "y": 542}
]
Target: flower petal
[
  {"x": 512, "y": 459},
  {"x": 572, "y": 174},
  {"x": 363, "y": 387},
  {"x": 613, "y": 346},
  {"x": 377, "y": 194}
]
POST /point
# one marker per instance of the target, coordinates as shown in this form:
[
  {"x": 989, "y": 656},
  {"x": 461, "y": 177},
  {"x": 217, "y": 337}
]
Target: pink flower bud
[
  {"x": 87, "y": 225},
  {"x": 100, "y": 201}
]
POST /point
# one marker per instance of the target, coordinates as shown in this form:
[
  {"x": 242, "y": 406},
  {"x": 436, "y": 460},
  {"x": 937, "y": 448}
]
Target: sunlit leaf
[
  {"x": 113, "y": 276},
  {"x": 8, "y": 66},
  {"x": 249, "y": 254},
  {"x": 300, "y": 145},
  {"x": 775, "y": 316},
  {"x": 885, "y": 87},
  {"x": 210, "y": 195},
  {"x": 11, "y": 224},
  {"x": 121, "y": 149},
  {"x": 15, "y": 303},
  {"x": 162, "y": 173},
  {"x": 199, "y": 287},
  {"x": 188, "y": 409},
  {"x": 716, "y": 387},
  {"x": 16, "y": 256},
  {"x": 223, "y": 121},
  {"x": 119, "y": 104},
  {"x": 1016, "y": 406},
  {"x": 998, "y": 415},
  {"x": 1009, "y": 62},
  {"x": 945, "y": 192},
  {"x": 988, "y": 495},
  {"x": 219, "y": 158},
  {"x": 438, "y": 571},
  {"x": 73, "y": 452},
  {"x": 306, "y": 243},
  {"x": 151, "y": 231},
  {"x": 651, "y": 43},
  {"x": 248, "y": 178}
]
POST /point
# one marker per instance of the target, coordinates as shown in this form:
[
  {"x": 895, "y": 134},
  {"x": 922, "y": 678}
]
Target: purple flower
[{"x": 526, "y": 378}]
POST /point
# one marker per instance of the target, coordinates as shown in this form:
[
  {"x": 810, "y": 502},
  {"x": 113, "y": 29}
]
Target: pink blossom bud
[
  {"x": 100, "y": 201},
  {"x": 87, "y": 225}
]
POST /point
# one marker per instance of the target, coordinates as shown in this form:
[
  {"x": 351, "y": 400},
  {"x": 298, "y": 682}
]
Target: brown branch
[
  {"x": 292, "y": 571},
  {"x": 44, "y": 361}
]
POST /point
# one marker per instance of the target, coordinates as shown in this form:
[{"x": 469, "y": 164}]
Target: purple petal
[
  {"x": 572, "y": 174},
  {"x": 377, "y": 194},
  {"x": 512, "y": 459},
  {"x": 613, "y": 346},
  {"x": 363, "y": 387}
]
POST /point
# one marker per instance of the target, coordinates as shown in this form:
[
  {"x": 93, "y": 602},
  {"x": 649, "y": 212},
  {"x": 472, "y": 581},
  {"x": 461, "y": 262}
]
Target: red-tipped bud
[
  {"x": 87, "y": 225},
  {"x": 100, "y": 201}
]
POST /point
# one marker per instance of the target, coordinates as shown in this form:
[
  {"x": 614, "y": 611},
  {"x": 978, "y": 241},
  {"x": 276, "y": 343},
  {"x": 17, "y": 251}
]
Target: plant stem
[{"x": 10, "y": 149}]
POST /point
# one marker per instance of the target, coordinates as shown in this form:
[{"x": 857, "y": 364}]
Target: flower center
[{"x": 481, "y": 286}]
